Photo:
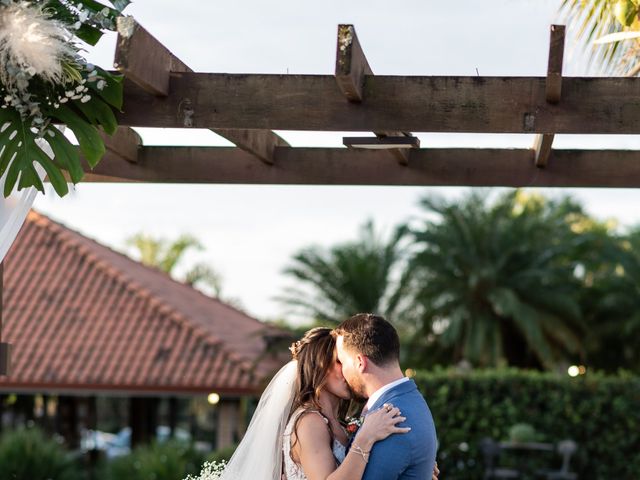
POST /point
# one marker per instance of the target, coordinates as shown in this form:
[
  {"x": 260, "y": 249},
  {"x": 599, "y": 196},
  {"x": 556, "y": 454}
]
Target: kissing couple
[{"x": 298, "y": 431}]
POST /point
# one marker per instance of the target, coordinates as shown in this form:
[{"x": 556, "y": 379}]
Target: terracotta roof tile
[{"x": 81, "y": 316}]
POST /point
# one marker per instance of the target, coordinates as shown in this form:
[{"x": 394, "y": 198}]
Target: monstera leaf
[
  {"x": 87, "y": 32},
  {"x": 20, "y": 147},
  {"x": 19, "y": 152}
]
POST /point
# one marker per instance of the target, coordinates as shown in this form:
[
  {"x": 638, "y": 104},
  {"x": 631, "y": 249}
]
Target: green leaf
[
  {"x": 88, "y": 34},
  {"x": 98, "y": 113},
  {"x": 19, "y": 153},
  {"x": 112, "y": 91},
  {"x": 65, "y": 154},
  {"x": 91, "y": 144},
  {"x": 120, "y": 5}
]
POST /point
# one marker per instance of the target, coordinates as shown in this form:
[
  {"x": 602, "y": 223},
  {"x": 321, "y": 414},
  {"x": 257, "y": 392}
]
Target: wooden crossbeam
[
  {"x": 553, "y": 89},
  {"x": 542, "y": 149},
  {"x": 351, "y": 64},
  {"x": 352, "y": 68},
  {"x": 125, "y": 143},
  {"x": 142, "y": 58},
  {"x": 554, "y": 67},
  {"x": 150, "y": 65},
  {"x": 393, "y": 103},
  {"x": 340, "y": 166}
]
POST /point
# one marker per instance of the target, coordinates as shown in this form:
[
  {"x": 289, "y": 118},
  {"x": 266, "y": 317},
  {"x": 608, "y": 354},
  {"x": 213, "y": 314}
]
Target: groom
[{"x": 368, "y": 348}]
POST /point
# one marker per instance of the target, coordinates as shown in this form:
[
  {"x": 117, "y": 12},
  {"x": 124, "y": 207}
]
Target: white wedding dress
[
  {"x": 266, "y": 443},
  {"x": 292, "y": 470}
]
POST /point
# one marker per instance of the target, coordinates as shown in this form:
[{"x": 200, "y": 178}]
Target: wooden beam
[
  {"x": 149, "y": 64},
  {"x": 260, "y": 143},
  {"x": 351, "y": 69},
  {"x": 125, "y": 143},
  {"x": 553, "y": 89},
  {"x": 404, "y": 104},
  {"x": 142, "y": 58},
  {"x": 351, "y": 64},
  {"x": 554, "y": 67},
  {"x": 542, "y": 149},
  {"x": 341, "y": 166}
]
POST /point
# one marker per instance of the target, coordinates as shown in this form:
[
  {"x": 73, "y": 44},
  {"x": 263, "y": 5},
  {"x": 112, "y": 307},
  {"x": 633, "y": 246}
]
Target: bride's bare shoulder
[{"x": 312, "y": 424}]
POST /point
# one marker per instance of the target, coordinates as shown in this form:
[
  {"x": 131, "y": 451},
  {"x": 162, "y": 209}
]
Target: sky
[{"x": 251, "y": 232}]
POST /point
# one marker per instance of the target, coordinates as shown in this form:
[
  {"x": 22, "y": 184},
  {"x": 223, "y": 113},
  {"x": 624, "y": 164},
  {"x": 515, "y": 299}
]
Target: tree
[
  {"x": 612, "y": 29},
  {"x": 166, "y": 256},
  {"x": 352, "y": 277},
  {"x": 611, "y": 303},
  {"x": 495, "y": 283}
]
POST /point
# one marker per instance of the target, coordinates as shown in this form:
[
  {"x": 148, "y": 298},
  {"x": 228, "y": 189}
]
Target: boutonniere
[{"x": 353, "y": 424}]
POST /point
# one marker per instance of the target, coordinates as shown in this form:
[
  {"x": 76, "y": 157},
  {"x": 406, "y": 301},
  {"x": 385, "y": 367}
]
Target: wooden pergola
[{"x": 161, "y": 91}]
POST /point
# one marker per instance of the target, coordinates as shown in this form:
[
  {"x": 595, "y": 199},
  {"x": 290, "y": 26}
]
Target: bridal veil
[{"x": 259, "y": 455}]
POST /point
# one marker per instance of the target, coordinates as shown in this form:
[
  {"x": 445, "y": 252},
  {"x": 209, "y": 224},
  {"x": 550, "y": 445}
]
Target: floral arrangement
[
  {"x": 352, "y": 425},
  {"x": 45, "y": 81},
  {"x": 210, "y": 471}
]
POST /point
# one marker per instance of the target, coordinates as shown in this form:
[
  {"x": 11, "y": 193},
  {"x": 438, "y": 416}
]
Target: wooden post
[
  {"x": 173, "y": 416},
  {"x": 227, "y": 428},
  {"x": 143, "y": 419},
  {"x": 5, "y": 348},
  {"x": 67, "y": 420}
]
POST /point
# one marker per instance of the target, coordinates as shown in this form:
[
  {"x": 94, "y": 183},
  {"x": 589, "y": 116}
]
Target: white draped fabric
[{"x": 14, "y": 209}]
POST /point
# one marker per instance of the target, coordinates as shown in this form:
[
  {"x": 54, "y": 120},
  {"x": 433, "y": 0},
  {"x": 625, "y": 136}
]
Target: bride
[{"x": 298, "y": 422}]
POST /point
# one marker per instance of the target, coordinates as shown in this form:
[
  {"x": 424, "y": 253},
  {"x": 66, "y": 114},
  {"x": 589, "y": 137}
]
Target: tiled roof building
[{"x": 82, "y": 317}]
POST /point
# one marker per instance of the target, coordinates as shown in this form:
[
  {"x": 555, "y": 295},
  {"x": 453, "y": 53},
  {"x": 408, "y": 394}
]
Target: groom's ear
[{"x": 361, "y": 362}]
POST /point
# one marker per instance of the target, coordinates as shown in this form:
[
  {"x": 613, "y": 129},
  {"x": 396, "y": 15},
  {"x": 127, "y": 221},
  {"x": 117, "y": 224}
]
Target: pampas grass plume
[{"x": 31, "y": 41}]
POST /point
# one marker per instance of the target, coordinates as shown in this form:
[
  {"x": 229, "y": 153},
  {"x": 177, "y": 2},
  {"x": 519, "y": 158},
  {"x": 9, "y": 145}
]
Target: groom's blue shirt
[{"x": 410, "y": 455}]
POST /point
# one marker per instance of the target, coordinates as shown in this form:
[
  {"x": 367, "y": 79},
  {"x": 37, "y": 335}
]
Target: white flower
[
  {"x": 85, "y": 99},
  {"x": 32, "y": 42},
  {"x": 210, "y": 471}
]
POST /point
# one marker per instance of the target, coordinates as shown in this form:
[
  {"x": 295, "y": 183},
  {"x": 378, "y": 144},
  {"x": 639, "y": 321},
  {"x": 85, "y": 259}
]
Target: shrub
[
  {"x": 222, "y": 455},
  {"x": 522, "y": 433},
  {"x": 158, "y": 461},
  {"x": 601, "y": 414},
  {"x": 26, "y": 454}
]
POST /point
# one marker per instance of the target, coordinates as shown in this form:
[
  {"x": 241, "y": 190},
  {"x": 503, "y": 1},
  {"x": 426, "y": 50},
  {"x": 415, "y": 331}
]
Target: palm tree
[
  {"x": 611, "y": 28},
  {"x": 495, "y": 283},
  {"x": 611, "y": 303},
  {"x": 166, "y": 255},
  {"x": 357, "y": 276}
]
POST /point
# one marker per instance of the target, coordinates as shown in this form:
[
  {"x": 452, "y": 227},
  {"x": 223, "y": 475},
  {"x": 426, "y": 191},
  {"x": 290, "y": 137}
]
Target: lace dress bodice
[{"x": 292, "y": 470}]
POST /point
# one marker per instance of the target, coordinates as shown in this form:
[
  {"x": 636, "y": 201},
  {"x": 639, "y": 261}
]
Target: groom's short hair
[{"x": 372, "y": 336}]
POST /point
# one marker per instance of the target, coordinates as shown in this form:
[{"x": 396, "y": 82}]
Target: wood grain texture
[
  {"x": 149, "y": 64},
  {"x": 405, "y": 104},
  {"x": 340, "y": 166},
  {"x": 554, "y": 67}
]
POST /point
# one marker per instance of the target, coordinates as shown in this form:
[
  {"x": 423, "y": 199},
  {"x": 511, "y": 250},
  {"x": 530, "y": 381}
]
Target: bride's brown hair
[{"x": 315, "y": 353}]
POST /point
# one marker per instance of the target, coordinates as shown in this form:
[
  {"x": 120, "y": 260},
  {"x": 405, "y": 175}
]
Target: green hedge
[
  {"x": 158, "y": 461},
  {"x": 601, "y": 414},
  {"x": 26, "y": 454}
]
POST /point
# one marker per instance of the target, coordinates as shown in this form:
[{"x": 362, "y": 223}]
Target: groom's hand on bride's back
[{"x": 436, "y": 472}]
